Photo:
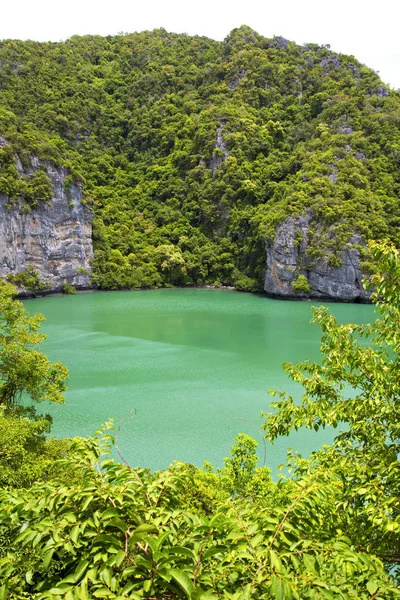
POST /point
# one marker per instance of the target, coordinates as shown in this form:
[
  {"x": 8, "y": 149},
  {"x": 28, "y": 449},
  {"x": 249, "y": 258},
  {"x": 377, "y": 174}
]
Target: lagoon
[{"x": 194, "y": 366}]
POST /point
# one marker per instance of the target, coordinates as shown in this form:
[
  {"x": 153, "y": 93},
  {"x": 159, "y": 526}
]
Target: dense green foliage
[
  {"x": 330, "y": 531},
  {"x": 24, "y": 370},
  {"x": 357, "y": 385},
  {"x": 69, "y": 289},
  {"x": 26, "y": 374},
  {"x": 191, "y": 151},
  {"x": 28, "y": 279},
  {"x": 26, "y": 456},
  {"x": 129, "y": 533}
]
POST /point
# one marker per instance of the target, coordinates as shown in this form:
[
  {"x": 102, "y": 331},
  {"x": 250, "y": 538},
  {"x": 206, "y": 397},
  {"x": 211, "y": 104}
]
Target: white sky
[{"x": 367, "y": 29}]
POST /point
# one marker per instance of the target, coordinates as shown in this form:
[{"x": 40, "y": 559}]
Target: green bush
[
  {"x": 29, "y": 278},
  {"x": 301, "y": 284},
  {"x": 69, "y": 289}
]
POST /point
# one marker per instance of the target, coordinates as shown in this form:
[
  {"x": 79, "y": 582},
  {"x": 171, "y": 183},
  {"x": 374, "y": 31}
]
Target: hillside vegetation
[{"x": 191, "y": 151}]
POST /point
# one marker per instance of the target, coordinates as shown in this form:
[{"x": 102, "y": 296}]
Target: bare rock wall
[
  {"x": 288, "y": 257},
  {"x": 55, "y": 238}
]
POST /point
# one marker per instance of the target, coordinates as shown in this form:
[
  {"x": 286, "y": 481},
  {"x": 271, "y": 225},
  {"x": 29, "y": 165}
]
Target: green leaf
[
  {"x": 235, "y": 535},
  {"x": 83, "y": 591},
  {"x": 60, "y": 591},
  {"x": 104, "y": 593},
  {"x": 141, "y": 532},
  {"x": 21, "y": 536},
  {"x": 88, "y": 501},
  {"x": 106, "y": 576},
  {"x": 309, "y": 562},
  {"x": 372, "y": 586},
  {"x": 110, "y": 512},
  {"x": 47, "y": 558},
  {"x": 199, "y": 594},
  {"x": 275, "y": 561},
  {"x": 74, "y": 533},
  {"x": 119, "y": 558},
  {"x": 28, "y": 576},
  {"x": 162, "y": 539},
  {"x": 3, "y": 592},
  {"x": 247, "y": 593},
  {"x": 145, "y": 528},
  {"x": 80, "y": 570},
  {"x": 180, "y": 550},
  {"x": 106, "y": 539},
  {"x": 277, "y": 588},
  {"x": 119, "y": 524},
  {"x": 183, "y": 582},
  {"x": 214, "y": 550},
  {"x": 128, "y": 590},
  {"x": 327, "y": 594},
  {"x": 147, "y": 585}
]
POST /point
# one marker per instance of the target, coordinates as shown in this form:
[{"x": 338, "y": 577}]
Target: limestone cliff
[
  {"x": 221, "y": 152},
  {"x": 289, "y": 256},
  {"x": 55, "y": 238}
]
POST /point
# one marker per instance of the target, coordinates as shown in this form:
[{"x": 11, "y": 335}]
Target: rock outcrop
[
  {"x": 292, "y": 271},
  {"x": 55, "y": 238},
  {"x": 221, "y": 152}
]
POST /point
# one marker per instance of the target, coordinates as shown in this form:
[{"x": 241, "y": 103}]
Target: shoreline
[{"x": 31, "y": 295}]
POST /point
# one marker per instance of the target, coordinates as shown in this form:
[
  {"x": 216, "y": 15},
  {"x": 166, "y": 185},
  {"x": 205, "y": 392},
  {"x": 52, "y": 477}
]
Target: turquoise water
[{"x": 193, "y": 364}]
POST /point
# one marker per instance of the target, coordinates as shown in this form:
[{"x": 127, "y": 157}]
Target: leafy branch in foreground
[
  {"x": 356, "y": 386},
  {"x": 125, "y": 532}
]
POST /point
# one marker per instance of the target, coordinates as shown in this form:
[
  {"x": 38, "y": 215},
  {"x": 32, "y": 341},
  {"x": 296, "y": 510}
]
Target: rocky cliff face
[
  {"x": 221, "y": 152},
  {"x": 55, "y": 238},
  {"x": 292, "y": 271}
]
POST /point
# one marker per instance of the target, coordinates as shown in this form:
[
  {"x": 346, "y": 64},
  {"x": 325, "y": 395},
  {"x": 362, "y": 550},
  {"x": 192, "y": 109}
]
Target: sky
[{"x": 367, "y": 29}]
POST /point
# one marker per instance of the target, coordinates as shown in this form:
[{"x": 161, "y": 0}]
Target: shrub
[
  {"x": 29, "y": 278},
  {"x": 69, "y": 289},
  {"x": 301, "y": 284}
]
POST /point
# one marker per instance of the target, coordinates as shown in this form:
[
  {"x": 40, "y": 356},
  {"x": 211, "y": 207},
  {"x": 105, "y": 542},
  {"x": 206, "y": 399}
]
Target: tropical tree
[
  {"x": 26, "y": 453},
  {"x": 23, "y": 368}
]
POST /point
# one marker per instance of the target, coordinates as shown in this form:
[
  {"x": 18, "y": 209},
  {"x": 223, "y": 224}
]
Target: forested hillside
[{"x": 191, "y": 151}]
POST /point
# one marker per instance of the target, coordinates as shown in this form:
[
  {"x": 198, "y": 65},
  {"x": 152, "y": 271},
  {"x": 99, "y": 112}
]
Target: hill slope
[{"x": 192, "y": 152}]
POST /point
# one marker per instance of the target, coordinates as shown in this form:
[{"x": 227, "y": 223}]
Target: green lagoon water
[{"x": 195, "y": 364}]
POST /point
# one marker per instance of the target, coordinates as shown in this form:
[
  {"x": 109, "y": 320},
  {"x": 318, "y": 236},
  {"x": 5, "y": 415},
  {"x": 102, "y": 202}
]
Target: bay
[{"x": 193, "y": 366}]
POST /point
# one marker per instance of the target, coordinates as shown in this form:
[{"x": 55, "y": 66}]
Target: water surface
[{"x": 195, "y": 364}]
